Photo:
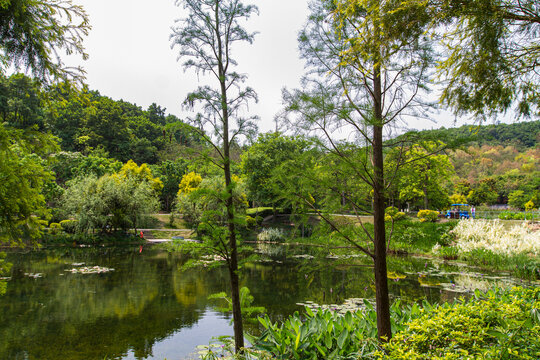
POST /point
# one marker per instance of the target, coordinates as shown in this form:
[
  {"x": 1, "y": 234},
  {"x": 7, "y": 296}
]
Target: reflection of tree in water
[
  {"x": 147, "y": 298},
  {"x": 74, "y": 316},
  {"x": 192, "y": 286},
  {"x": 318, "y": 281}
]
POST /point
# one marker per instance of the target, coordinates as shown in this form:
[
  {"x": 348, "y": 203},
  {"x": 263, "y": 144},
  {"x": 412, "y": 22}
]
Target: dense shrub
[
  {"x": 54, "y": 228},
  {"x": 202, "y": 200},
  {"x": 251, "y": 222},
  {"x": 392, "y": 213},
  {"x": 428, "y": 215},
  {"x": 509, "y": 215},
  {"x": 69, "y": 226},
  {"x": 499, "y": 324}
]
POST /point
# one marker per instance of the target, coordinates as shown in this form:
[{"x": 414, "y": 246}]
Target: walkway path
[{"x": 149, "y": 237}]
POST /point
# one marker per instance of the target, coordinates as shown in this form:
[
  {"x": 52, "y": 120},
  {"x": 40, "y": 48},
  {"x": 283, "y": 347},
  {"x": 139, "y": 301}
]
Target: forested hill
[
  {"x": 522, "y": 135},
  {"x": 87, "y": 122}
]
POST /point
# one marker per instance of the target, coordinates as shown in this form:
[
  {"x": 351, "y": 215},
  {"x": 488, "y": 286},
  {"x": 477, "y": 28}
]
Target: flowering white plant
[{"x": 491, "y": 235}]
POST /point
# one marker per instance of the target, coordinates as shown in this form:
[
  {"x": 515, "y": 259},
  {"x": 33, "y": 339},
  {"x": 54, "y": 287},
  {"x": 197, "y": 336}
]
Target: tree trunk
[
  {"x": 426, "y": 200},
  {"x": 233, "y": 261},
  {"x": 384, "y": 330}
]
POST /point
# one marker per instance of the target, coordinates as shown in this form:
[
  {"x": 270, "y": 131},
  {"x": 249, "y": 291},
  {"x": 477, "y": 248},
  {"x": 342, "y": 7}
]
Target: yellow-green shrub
[
  {"x": 428, "y": 215},
  {"x": 55, "y": 228},
  {"x": 69, "y": 226},
  {"x": 495, "y": 325},
  {"x": 250, "y": 221},
  {"x": 498, "y": 324},
  {"x": 392, "y": 213}
]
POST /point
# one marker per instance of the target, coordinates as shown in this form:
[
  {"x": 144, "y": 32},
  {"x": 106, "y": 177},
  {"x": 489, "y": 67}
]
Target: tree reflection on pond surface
[{"x": 149, "y": 308}]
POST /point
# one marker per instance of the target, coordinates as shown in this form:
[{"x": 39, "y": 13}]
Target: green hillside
[{"x": 522, "y": 135}]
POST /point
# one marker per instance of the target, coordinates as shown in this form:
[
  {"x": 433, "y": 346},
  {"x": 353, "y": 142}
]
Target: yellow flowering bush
[{"x": 428, "y": 215}]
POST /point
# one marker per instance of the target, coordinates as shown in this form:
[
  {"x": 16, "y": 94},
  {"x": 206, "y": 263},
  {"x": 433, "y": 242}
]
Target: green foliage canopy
[
  {"x": 33, "y": 32},
  {"x": 260, "y": 160},
  {"x": 492, "y": 47},
  {"x": 23, "y": 175}
]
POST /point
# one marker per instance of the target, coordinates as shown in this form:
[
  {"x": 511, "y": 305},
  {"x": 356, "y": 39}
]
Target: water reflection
[{"x": 148, "y": 308}]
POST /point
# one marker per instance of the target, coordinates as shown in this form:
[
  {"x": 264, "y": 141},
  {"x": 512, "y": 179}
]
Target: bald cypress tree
[{"x": 205, "y": 39}]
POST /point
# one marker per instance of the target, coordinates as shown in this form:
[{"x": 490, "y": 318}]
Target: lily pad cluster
[
  {"x": 34, "y": 276},
  {"x": 349, "y": 305},
  {"x": 90, "y": 270},
  {"x": 304, "y": 256}
]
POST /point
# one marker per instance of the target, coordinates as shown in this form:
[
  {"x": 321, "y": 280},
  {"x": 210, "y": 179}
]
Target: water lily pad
[
  {"x": 90, "y": 270},
  {"x": 32, "y": 275},
  {"x": 303, "y": 256}
]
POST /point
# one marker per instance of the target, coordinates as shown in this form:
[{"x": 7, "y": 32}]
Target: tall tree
[
  {"x": 205, "y": 39},
  {"x": 422, "y": 180},
  {"x": 368, "y": 66},
  {"x": 33, "y": 32},
  {"x": 23, "y": 175},
  {"x": 24, "y": 152},
  {"x": 266, "y": 154}
]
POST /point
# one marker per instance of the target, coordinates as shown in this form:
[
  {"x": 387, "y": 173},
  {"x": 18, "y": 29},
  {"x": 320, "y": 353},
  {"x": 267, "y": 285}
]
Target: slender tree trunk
[
  {"x": 426, "y": 200},
  {"x": 233, "y": 262},
  {"x": 384, "y": 329}
]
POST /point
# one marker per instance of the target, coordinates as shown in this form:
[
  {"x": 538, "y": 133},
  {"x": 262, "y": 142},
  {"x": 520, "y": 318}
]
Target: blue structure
[{"x": 458, "y": 211}]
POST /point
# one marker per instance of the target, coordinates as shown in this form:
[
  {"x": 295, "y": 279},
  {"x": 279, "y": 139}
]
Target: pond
[{"x": 143, "y": 305}]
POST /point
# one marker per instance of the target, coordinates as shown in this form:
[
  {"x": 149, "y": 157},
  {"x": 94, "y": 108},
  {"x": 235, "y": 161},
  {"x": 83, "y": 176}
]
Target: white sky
[{"x": 131, "y": 57}]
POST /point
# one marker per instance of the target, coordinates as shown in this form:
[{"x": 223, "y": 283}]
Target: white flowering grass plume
[
  {"x": 491, "y": 235},
  {"x": 271, "y": 235}
]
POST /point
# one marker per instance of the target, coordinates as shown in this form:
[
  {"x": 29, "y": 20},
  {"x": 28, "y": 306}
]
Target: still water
[{"x": 149, "y": 307}]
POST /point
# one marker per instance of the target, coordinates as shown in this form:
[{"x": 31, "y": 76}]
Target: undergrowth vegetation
[{"x": 497, "y": 324}]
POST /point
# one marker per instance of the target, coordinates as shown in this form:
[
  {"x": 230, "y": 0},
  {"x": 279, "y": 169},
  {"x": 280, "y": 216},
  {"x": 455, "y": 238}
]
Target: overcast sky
[{"x": 131, "y": 56}]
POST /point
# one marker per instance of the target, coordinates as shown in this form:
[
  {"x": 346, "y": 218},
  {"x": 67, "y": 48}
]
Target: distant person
[{"x": 473, "y": 212}]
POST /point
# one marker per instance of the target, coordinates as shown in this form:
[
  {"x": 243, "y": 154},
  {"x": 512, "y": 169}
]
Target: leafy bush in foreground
[
  {"x": 500, "y": 324},
  {"x": 495, "y": 325}
]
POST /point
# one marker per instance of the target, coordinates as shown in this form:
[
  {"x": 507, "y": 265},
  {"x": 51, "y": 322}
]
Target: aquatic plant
[
  {"x": 222, "y": 348},
  {"x": 89, "y": 270},
  {"x": 272, "y": 235},
  {"x": 249, "y": 312}
]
